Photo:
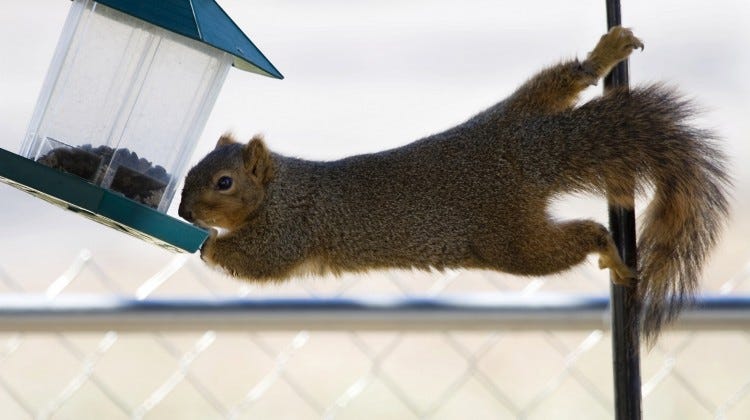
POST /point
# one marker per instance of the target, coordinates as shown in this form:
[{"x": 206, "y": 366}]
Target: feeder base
[{"x": 99, "y": 204}]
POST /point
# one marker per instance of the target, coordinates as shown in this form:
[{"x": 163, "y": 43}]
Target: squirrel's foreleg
[
  {"x": 260, "y": 262},
  {"x": 208, "y": 250},
  {"x": 226, "y": 252}
]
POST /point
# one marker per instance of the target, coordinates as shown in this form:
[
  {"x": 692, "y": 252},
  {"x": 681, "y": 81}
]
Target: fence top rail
[{"x": 470, "y": 312}]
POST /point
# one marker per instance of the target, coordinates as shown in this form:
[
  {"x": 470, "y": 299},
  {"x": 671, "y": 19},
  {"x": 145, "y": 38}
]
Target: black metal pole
[{"x": 624, "y": 305}]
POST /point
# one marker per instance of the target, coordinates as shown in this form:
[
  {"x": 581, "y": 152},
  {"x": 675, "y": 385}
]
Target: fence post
[{"x": 624, "y": 301}]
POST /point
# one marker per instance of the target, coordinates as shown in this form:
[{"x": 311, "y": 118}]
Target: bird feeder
[{"x": 128, "y": 92}]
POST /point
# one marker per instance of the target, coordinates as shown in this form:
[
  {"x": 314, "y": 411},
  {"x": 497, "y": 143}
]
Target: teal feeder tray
[{"x": 128, "y": 92}]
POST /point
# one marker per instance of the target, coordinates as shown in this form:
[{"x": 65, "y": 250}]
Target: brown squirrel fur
[{"x": 476, "y": 195}]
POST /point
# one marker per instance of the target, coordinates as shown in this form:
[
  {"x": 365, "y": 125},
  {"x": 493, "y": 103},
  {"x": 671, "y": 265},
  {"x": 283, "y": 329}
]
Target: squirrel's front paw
[
  {"x": 614, "y": 46},
  {"x": 207, "y": 247}
]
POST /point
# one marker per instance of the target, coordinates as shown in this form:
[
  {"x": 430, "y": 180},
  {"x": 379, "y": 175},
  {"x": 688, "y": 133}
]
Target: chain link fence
[{"x": 353, "y": 374}]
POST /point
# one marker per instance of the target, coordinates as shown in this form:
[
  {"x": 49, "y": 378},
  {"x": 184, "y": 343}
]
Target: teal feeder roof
[{"x": 204, "y": 21}]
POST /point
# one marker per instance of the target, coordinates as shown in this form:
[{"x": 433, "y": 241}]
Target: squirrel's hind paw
[
  {"x": 614, "y": 46},
  {"x": 624, "y": 275}
]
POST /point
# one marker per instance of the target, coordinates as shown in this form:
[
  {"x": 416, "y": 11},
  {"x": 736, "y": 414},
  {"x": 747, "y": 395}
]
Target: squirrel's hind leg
[
  {"x": 588, "y": 233},
  {"x": 556, "y": 89},
  {"x": 551, "y": 248}
]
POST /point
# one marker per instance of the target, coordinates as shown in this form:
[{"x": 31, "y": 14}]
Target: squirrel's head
[{"x": 228, "y": 185}]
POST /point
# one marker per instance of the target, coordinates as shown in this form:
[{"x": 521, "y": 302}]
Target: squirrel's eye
[{"x": 224, "y": 183}]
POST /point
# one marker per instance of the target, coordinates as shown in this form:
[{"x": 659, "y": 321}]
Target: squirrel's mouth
[{"x": 194, "y": 218}]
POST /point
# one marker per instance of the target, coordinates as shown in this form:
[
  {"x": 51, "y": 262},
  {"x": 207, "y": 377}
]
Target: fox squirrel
[{"x": 476, "y": 195}]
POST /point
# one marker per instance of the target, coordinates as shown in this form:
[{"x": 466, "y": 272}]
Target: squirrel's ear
[
  {"x": 225, "y": 139},
  {"x": 257, "y": 159}
]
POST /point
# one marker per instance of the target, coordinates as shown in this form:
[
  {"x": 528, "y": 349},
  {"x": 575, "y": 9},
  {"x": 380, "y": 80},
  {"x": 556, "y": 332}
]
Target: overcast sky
[{"x": 367, "y": 75}]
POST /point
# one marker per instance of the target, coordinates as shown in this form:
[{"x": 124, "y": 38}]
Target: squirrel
[{"x": 477, "y": 194}]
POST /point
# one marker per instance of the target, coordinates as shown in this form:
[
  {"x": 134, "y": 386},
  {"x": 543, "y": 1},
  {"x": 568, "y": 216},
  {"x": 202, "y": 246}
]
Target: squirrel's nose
[{"x": 184, "y": 212}]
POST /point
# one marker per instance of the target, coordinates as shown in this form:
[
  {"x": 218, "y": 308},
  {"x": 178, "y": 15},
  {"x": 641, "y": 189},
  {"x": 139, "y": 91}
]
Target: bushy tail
[{"x": 681, "y": 224}]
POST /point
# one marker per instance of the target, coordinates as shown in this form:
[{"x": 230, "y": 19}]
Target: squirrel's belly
[{"x": 310, "y": 267}]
